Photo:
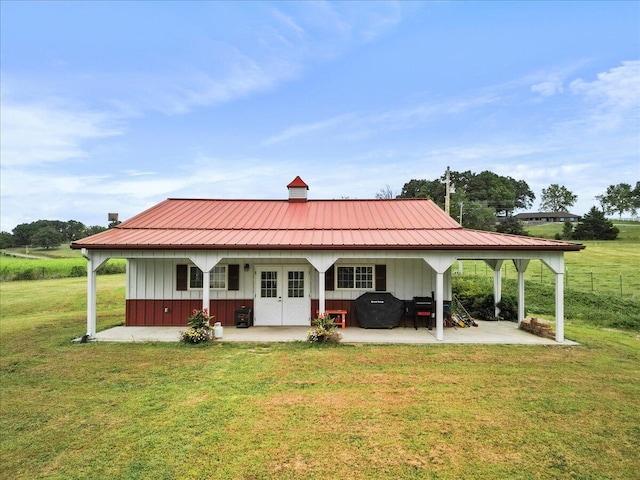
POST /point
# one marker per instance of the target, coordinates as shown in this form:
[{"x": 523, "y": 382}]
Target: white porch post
[
  {"x": 496, "y": 265},
  {"x": 322, "y": 261},
  {"x": 556, "y": 263},
  {"x": 497, "y": 288},
  {"x": 91, "y": 298},
  {"x": 440, "y": 263},
  {"x": 321, "y": 292},
  {"x": 559, "y": 306},
  {"x": 205, "y": 261},
  {"x": 206, "y": 291},
  {"x": 439, "y": 306},
  {"x": 521, "y": 267},
  {"x": 95, "y": 260}
]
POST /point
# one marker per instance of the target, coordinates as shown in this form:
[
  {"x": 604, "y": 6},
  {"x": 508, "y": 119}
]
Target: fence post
[{"x": 620, "y": 284}]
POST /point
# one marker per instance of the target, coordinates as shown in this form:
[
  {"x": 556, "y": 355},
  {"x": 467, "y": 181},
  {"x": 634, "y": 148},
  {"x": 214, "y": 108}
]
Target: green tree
[
  {"x": 595, "y": 226},
  {"x": 478, "y": 216},
  {"x": 557, "y": 198},
  {"x": 433, "y": 189},
  {"x": 567, "y": 230},
  {"x": 93, "y": 230},
  {"x": 512, "y": 226},
  {"x": 47, "y": 237},
  {"x": 503, "y": 194},
  {"x": 73, "y": 230},
  {"x": 6, "y": 240},
  {"x": 620, "y": 198}
]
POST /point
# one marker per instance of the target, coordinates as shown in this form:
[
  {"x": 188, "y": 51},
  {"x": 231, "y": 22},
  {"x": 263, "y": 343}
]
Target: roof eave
[{"x": 484, "y": 248}]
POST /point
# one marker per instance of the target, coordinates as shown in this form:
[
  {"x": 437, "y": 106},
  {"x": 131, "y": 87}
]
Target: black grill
[
  {"x": 243, "y": 317},
  {"x": 378, "y": 310},
  {"x": 424, "y": 308}
]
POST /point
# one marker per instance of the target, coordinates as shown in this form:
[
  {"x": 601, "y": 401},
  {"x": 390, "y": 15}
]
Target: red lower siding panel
[{"x": 146, "y": 313}]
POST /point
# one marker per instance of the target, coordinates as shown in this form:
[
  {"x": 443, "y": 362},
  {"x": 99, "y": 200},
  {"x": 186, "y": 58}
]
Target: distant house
[
  {"x": 547, "y": 217},
  {"x": 288, "y": 259}
]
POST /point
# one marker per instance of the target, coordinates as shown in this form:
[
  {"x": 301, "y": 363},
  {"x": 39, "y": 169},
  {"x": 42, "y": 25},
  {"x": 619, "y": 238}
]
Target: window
[
  {"x": 217, "y": 278},
  {"x": 296, "y": 285},
  {"x": 356, "y": 277}
]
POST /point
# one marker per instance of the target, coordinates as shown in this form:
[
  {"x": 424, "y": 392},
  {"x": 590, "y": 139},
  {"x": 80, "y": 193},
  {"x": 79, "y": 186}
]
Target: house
[
  {"x": 288, "y": 259},
  {"x": 548, "y": 217}
]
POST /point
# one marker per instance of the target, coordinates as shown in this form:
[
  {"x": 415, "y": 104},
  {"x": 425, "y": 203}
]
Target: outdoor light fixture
[
  {"x": 167, "y": 309},
  {"x": 246, "y": 267}
]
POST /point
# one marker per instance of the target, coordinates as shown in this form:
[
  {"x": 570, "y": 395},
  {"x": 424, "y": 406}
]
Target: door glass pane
[
  {"x": 269, "y": 284},
  {"x": 296, "y": 284}
]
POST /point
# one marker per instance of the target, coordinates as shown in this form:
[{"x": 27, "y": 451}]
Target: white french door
[{"x": 282, "y": 296}]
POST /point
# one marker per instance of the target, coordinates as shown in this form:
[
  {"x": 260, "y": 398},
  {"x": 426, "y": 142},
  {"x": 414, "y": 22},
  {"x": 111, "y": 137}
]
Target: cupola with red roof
[{"x": 298, "y": 190}]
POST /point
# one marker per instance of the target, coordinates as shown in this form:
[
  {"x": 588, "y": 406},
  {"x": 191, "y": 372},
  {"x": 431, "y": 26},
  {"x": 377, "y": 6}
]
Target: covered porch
[
  {"x": 487, "y": 332},
  {"x": 440, "y": 263}
]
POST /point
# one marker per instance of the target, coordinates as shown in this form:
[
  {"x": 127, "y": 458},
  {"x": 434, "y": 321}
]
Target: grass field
[
  {"x": 19, "y": 268},
  {"x": 285, "y": 411},
  {"x": 289, "y": 411}
]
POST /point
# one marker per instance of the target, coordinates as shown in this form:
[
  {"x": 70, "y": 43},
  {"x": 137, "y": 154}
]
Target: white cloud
[
  {"x": 282, "y": 45},
  {"x": 45, "y": 132},
  {"x": 613, "y": 98},
  {"x": 618, "y": 87},
  {"x": 549, "y": 88},
  {"x": 304, "y": 129},
  {"x": 352, "y": 126}
]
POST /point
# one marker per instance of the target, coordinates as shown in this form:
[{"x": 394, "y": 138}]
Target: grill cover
[{"x": 378, "y": 310}]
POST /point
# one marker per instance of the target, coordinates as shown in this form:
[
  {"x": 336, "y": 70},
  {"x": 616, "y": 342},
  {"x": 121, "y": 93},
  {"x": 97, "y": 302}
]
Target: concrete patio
[{"x": 485, "y": 333}]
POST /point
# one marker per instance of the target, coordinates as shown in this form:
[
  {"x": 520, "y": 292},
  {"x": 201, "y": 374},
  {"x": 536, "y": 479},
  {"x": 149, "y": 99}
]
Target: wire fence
[{"x": 598, "y": 279}]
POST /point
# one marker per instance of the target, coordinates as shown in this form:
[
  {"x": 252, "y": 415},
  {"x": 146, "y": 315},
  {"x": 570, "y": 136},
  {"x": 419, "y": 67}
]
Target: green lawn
[{"x": 285, "y": 411}]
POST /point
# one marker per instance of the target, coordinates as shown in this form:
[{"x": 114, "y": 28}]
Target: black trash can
[{"x": 243, "y": 317}]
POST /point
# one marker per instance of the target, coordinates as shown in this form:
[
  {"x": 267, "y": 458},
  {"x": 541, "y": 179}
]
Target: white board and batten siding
[{"x": 155, "y": 279}]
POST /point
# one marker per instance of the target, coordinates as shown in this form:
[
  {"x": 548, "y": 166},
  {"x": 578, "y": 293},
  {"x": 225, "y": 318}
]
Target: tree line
[
  {"x": 487, "y": 201},
  {"x": 48, "y": 233},
  {"x": 481, "y": 201}
]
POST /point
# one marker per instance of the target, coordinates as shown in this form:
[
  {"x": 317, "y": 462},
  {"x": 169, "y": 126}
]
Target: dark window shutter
[
  {"x": 182, "y": 277},
  {"x": 329, "y": 282},
  {"x": 381, "y": 278},
  {"x": 234, "y": 277}
]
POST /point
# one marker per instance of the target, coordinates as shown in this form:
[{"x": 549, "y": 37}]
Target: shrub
[
  {"x": 482, "y": 305},
  {"x": 324, "y": 331},
  {"x": 28, "y": 274},
  {"x": 200, "y": 329},
  {"x": 508, "y": 308},
  {"x": 196, "y": 335},
  {"x": 112, "y": 268},
  {"x": 78, "y": 271}
]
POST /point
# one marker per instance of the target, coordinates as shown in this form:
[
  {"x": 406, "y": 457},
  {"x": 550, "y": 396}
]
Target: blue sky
[{"x": 115, "y": 106}]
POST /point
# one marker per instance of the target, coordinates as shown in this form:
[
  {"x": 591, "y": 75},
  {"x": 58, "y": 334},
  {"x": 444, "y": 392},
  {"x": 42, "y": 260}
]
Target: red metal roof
[{"x": 405, "y": 224}]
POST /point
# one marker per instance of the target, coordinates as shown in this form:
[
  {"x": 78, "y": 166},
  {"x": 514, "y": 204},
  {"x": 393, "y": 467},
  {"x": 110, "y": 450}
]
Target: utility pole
[
  {"x": 447, "y": 195},
  {"x": 460, "y": 261}
]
